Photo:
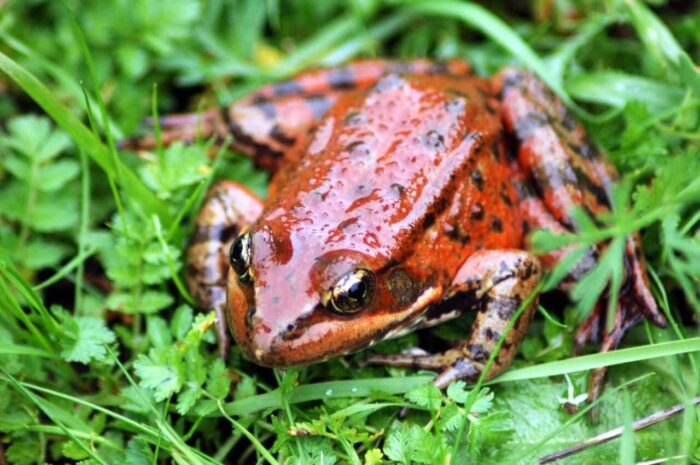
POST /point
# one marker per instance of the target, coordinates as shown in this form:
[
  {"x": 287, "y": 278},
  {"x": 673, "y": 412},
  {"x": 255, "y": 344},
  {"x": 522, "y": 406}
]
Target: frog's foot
[
  {"x": 635, "y": 305},
  {"x": 495, "y": 283},
  {"x": 421, "y": 361},
  {"x": 228, "y": 209},
  {"x": 590, "y": 331}
]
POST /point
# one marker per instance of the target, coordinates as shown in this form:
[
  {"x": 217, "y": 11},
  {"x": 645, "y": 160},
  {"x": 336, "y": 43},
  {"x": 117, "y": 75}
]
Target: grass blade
[
  {"x": 662, "y": 45},
  {"x": 364, "y": 387},
  {"x": 326, "y": 390},
  {"x": 501, "y": 33},
  {"x": 617, "y": 89},
  {"x": 606, "y": 359}
]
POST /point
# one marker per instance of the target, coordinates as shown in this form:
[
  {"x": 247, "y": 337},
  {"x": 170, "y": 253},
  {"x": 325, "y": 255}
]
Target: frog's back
[{"x": 409, "y": 162}]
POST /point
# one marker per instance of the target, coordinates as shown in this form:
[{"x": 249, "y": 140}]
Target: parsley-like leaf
[
  {"x": 425, "y": 395},
  {"x": 163, "y": 371},
  {"x": 84, "y": 337}
]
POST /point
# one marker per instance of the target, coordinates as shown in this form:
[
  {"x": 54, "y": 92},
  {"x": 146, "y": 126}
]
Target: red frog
[{"x": 402, "y": 195}]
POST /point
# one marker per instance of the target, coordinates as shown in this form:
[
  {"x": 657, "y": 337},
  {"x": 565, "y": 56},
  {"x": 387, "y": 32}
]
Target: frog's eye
[
  {"x": 240, "y": 256},
  {"x": 352, "y": 291}
]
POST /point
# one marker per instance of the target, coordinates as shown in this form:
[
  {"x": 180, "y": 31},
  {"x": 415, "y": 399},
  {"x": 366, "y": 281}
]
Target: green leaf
[
  {"x": 427, "y": 396},
  {"x": 187, "y": 398},
  {"x": 158, "y": 332},
  {"x": 194, "y": 363},
  {"x": 591, "y": 286},
  {"x": 162, "y": 370},
  {"x": 457, "y": 392},
  {"x": 56, "y": 175},
  {"x": 137, "y": 400},
  {"x": 497, "y": 30},
  {"x": 57, "y": 211},
  {"x": 398, "y": 445},
  {"x": 82, "y": 136},
  {"x": 412, "y": 444},
  {"x": 426, "y": 447},
  {"x": 24, "y": 450},
  {"x": 181, "y": 321},
  {"x": 451, "y": 418},
  {"x": 180, "y": 166},
  {"x": 138, "y": 453},
  {"x": 219, "y": 382},
  {"x": 19, "y": 168},
  {"x": 88, "y": 462},
  {"x": 43, "y": 253},
  {"x": 494, "y": 427},
  {"x": 154, "y": 301},
  {"x": 11, "y": 362},
  {"x": 603, "y": 359},
  {"x": 373, "y": 457},
  {"x": 14, "y": 419},
  {"x": 315, "y": 451},
  {"x": 483, "y": 402},
  {"x": 84, "y": 338},
  {"x": 33, "y": 137},
  {"x": 627, "y": 446},
  {"x": 661, "y": 44},
  {"x": 73, "y": 451}
]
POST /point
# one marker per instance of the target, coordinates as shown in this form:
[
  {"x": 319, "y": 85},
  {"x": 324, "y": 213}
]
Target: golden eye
[
  {"x": 240, "y": 256},
  {"x": 352, "y": 292}
]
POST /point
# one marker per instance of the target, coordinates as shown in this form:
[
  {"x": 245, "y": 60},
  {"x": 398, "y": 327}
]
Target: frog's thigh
[
  {"x": 494, "y": 282},
  {"x": 536, "y": 216},
  {"x": 227, "y": 210},
  {"x": 552, "y": 148}
]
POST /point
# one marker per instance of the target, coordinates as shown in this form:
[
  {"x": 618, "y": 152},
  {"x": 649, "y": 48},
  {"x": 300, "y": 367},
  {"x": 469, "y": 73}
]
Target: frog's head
[{"x": 293, "y": 299}]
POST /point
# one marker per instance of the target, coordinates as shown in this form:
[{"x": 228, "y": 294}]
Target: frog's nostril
[{"x": 292, "y": 333}]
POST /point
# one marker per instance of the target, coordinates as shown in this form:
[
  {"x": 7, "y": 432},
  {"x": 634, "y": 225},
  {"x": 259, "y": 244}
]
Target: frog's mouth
[{"x": 319, "y": 335}]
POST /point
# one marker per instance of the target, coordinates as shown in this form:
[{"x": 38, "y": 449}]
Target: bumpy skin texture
[{"x": 418, "y": 173}]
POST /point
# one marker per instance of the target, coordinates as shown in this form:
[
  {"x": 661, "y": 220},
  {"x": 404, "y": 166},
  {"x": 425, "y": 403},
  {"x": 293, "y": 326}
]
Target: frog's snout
[{"x": 264, "y": 330}]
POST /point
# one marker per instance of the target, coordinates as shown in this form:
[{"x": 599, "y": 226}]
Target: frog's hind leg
[
  {"x": 268, "y": 123},
  {"x": 228, "y": 209},
  {"x": 535, "y": 215},
  {"x": 496, "y": 283},
  {"x": 565, "y": 170}
]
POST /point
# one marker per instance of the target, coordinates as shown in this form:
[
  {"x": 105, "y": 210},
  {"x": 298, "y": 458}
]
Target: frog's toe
[
  {"x": 416, "y": 361},
  {"x": 453, "y": 365},
  {"x": 635, "y": 304},
  {"x": 464, "y": 368},
  {"x": 628, "y": 313},
  {"x": 611, "y": 340},
  {"x": 589, "y": 332}
]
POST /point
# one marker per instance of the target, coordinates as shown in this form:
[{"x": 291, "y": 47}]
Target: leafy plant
[
  {"x": 39, "y": 198},
  {"x": 103, "y": 357}
]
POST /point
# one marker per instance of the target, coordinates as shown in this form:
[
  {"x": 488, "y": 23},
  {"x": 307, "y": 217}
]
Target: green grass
[{"x": 103, "y": 358}]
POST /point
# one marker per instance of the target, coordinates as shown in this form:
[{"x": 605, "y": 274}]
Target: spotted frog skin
[{"x": 402, "y": 195}]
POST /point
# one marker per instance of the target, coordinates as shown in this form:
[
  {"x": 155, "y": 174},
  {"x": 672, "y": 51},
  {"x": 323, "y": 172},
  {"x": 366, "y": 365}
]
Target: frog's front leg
[
  {"x": 228, "y": 209},
  {"x": 496, "y": 283}
]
